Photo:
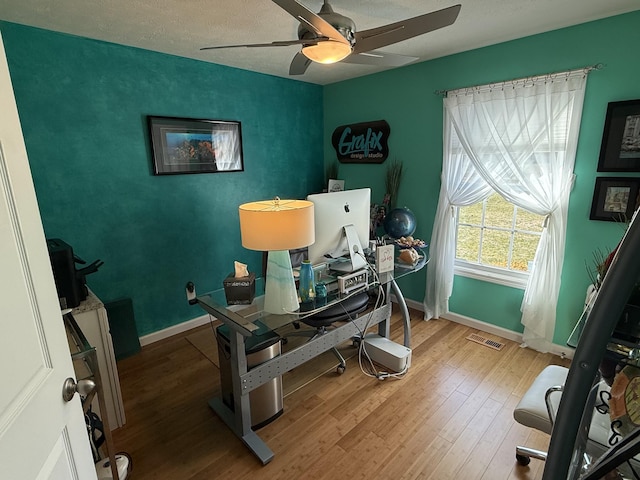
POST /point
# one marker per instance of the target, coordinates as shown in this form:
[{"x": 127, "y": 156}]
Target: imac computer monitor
[{"x": 342, "y": 228}]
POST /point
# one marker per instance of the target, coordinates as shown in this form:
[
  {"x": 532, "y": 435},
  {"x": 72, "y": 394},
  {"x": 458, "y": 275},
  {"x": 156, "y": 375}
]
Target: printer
[{"x": 70, "y": 281}]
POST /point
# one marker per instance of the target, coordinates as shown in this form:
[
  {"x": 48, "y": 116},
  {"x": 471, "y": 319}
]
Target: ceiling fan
[{"x": 328, "y": 37}]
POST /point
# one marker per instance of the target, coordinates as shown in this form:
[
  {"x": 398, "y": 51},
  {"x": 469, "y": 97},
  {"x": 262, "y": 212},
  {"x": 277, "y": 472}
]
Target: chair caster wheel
[
  {"x": 522, "y": 460},
  {"x": 340, "y": 369}
]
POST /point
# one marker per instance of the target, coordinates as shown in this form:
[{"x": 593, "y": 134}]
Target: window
[{"x": 495, "y": 241}]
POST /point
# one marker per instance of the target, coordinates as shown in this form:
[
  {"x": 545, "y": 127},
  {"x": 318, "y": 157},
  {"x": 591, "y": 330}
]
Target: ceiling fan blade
[
  {"x": 282, "y": 43},
  {"x": 376, "y": 57},
  {"x": 299, "y": 64},
  {"x": 373, "y": 38},
  {"x": 314, "y": 21}
]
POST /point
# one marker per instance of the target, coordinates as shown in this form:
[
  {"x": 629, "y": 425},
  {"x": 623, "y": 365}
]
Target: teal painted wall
[
  {"x": 83, "y": 107},
  {"x": 405, "y": 98}
]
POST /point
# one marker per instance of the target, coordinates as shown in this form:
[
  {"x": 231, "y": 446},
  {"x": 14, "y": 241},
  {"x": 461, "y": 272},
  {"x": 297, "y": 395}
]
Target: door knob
[{"x": 70, "y": 388}]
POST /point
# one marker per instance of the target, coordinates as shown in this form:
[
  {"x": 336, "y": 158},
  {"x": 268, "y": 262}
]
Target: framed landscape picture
[
  {"x": 188, "y": 145},
  {"x": 615, "y": 198},
  {"x": 620, "y": 150}
]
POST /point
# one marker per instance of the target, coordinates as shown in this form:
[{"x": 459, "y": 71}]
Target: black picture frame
[
  {"x": 615, "y": 198},
  {"x": 190, "y": 145},
  {"x": 620, "y": 149}
]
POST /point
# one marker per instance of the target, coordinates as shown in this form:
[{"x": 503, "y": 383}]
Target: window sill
[{"x": 492, "y": 275}]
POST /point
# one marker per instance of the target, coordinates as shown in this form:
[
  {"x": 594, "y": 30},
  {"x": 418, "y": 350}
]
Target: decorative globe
[{"x": 400, "y": 222}]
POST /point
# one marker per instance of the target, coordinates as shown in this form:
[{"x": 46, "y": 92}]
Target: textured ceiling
[{"x": 181, "y": 27}]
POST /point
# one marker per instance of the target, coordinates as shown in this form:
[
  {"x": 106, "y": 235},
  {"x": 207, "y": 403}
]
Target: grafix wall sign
[{"x": 362, "y": 142}]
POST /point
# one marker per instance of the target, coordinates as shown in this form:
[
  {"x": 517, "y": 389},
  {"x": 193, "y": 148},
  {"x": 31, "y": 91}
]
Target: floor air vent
[{"x": 474, "y": 337}]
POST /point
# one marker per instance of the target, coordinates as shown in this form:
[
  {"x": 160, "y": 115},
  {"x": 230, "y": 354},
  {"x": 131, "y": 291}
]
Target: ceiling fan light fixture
[{"x": 326, "y": 52}]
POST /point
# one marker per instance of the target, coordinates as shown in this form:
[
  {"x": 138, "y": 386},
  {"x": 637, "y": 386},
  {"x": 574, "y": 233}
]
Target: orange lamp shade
[{"x": 276, "y": 224}]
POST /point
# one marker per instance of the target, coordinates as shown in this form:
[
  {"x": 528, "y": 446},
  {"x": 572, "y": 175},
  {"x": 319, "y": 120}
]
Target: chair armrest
[{"x": 547, "y": 401}]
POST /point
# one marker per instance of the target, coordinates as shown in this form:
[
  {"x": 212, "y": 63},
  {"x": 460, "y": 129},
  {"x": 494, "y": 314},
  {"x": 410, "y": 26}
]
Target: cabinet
[
  {"x": 92, "y": 319},
  {"x": 89, "y": 384}
]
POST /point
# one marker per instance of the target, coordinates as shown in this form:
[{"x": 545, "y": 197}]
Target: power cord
[{"x": 367, "y": 366}]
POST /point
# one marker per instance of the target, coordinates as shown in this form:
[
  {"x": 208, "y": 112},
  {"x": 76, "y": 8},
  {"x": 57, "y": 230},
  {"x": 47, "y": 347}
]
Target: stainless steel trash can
[{"x": 266, "y": 400}]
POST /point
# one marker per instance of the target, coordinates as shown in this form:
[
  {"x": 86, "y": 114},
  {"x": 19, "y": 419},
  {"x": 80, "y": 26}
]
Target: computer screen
[{"x": 333, "y": 211}]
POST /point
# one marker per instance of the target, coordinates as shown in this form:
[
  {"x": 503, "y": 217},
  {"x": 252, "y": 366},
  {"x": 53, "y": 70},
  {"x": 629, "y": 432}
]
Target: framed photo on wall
[
  {"x": 615, "y": 198},
  {"x": 620, "y": 150},
  {"x": 189, "y": 145}
]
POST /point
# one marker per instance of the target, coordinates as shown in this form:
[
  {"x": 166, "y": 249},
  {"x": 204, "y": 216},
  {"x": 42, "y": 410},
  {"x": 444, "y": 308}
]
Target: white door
[{"x": 41, "y": 436}]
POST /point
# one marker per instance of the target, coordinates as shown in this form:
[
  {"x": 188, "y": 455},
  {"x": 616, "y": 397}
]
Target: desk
[
  {"x": 91, "y": 317},
  {"x": 86, "y": 366},
  {"x": 247, "y": 320}
]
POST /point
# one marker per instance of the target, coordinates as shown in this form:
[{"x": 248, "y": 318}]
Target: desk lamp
[{"x": 276, "y": 226}]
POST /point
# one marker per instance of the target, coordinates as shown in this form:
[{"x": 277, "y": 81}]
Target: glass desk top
[{"x": 251, "y": 319}]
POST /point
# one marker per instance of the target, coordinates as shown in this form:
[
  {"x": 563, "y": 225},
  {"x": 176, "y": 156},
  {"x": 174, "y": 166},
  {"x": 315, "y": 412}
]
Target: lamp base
[{"x": 280, "y": 294}]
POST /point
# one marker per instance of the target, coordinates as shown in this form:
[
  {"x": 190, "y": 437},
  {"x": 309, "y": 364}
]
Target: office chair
[
  {"x": 321, "y": 321},
  {"x": 539, "y": 405}
]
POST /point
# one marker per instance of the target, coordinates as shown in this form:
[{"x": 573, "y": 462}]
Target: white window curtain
[
  {"x": 461, "y": 186},
  {"x": 519, "y": 139}
]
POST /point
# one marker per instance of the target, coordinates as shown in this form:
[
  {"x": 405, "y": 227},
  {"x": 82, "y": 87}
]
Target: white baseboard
[
  {"x": 485, "y": 327},
  {"x": 412, "y": 304},
  {"x": 564, "y": 352},
  {"x": 174, "y": 330},
  {"x": 559, "y": 350}
]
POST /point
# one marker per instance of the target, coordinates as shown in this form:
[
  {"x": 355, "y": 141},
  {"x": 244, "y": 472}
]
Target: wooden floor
[{"x": 449, "y": 418}]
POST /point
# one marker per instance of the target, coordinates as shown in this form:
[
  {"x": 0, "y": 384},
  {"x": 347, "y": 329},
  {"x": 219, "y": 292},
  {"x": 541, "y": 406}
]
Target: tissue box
[{"x": 240, "y": 290}]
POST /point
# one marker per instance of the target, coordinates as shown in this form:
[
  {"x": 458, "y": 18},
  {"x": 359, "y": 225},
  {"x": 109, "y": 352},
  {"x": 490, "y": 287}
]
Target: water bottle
[
  {"x": 321, "y": 293},
  {"x": 307, "y": 283}
]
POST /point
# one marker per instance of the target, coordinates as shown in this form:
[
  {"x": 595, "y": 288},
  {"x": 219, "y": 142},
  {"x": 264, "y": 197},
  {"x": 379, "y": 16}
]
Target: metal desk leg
[
  {"x": 239, "y": 420},
  {"x": 384, "y": 326},
  {"x": 250, "y": 438},
  {"x": 406, "y": 319}
]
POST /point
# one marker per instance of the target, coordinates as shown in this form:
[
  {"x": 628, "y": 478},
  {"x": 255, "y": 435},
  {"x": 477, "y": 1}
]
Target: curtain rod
[{"x": 524, "y": 80}]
